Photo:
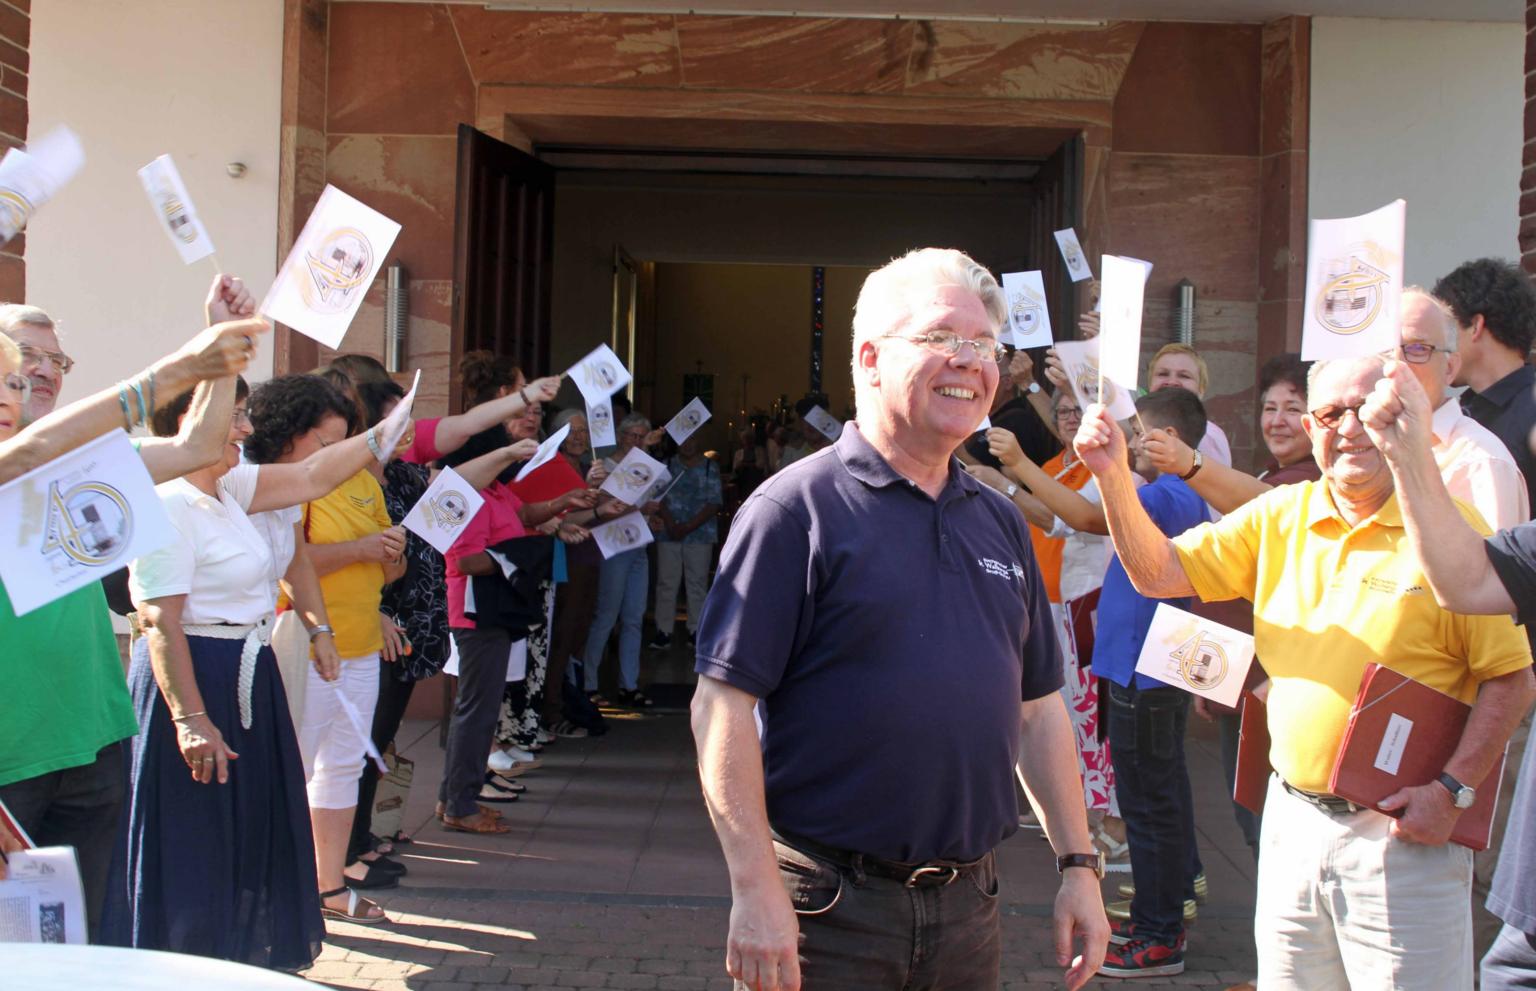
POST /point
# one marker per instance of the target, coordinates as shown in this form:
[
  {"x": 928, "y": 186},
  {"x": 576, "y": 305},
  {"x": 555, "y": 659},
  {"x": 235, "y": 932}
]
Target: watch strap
[
  {"x": 1452, "y": 785},
  {"x": 1092, "y": 861},
  {"x": 1194, "y": 468}
]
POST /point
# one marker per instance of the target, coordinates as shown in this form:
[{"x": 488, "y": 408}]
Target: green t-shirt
[{"x": 64, "y": 696}]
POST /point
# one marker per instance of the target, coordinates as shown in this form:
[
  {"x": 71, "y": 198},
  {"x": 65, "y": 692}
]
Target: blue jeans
[
  {"x": 621, "y": 591},
  {"x": 1146, "y": 744}
]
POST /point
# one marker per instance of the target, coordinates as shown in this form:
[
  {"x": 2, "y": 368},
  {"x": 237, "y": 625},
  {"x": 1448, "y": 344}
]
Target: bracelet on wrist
[
  {"x": 189, "y": 715},
  {"x": 523, "y": 393},
  {"x": 315, "y": 631}
]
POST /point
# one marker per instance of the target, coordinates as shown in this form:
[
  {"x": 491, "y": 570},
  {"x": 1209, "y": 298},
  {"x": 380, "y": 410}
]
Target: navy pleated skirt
[{"x": 224, "y": 871}]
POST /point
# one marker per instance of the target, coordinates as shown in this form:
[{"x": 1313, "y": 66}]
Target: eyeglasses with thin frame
[
  {"x": 240, "y": 416},
  {"x": 1068, "y": 413},
  {"x": 948, "y": 343},
  {"x": 1332, "y": 416},
  {"x": 32, "y": 355},
  {"x": 1418, "y": 353},
  {"x": 19, "y": 385}
]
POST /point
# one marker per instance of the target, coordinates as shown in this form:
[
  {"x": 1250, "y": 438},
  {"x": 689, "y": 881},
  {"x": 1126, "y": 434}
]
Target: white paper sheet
[
  {"x": 444, "y": 510},
  {"x": 545, "y": 453},
  {"x": 1072, "y": 255},
  {"x": 1080, "y": 362},
  {"x": 1354, "y": 284},
  {"x": 77, "y": 519},
  {"x": 1195, "y": 654},
  {"x": 634, "y": 477},
  {"x": 825, "y": 423},
  {"x": 41, "y": 899},
  {"x": 1029, "y": 319},
  {"x": 332, "y": 264},
  {"x": 600, "y": 429},
  {"x": 688, "y": 419},
  {"x": 173, "y": 208},
  {"x": 393, "y": 428},
  {"x": 517, "y": 660},
  {"x": 623, "y": 534},
  {"x": 30, "y": 178},
  {"x": 1120, "y": 303},
  {"x": 364, "y": 732},
  {"x": 599, "y": 375},
  {"x": 986, "y": 424}
]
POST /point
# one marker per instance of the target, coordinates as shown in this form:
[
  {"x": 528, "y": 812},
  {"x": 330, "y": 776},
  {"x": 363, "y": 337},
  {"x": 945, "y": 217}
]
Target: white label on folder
[{"x": 1393, "y": 744}]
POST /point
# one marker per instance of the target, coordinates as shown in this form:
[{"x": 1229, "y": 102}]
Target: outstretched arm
[
  {"x": 453, "y": 431},
  {"x": 1075, "y": 511},
  {"x": 1223, "y": 487}
]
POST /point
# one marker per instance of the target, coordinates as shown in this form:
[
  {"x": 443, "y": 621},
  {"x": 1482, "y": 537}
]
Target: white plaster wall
[
  {"x": 197, "y": 79},
  {"x": 1431, "y": 111}
]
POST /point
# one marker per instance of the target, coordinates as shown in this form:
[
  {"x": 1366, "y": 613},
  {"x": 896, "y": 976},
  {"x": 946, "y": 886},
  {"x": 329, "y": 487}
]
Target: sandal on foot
[
  {"x": 480, "y": 822},
  {"x": 360, "y": 911},
  {"x": 383, "y": 863},
  {"x": 496, "y": 790},
  {"x": 484, "y": 810}
]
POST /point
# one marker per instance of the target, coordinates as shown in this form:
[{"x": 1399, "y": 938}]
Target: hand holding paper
[
  {"x": 392, "y": 429},
  {"x": 1099, "y": 441},
  {"x": 30, "y": 178},
  {"x": 546, "y": 451}
]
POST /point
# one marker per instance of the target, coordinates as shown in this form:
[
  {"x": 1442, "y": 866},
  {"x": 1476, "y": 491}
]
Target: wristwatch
[
  {"x": 1032, "y": 388},
  {"x": 1194, "y": 468},
  {"x": 1012, "y": 490},
  {"x": 1462, "y": 796},
  {"x": 1093, "y": 861}
]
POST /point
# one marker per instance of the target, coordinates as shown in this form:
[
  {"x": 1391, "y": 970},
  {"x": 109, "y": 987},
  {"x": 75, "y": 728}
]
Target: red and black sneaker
[
  {"x": 1144, "y": 958},
  {"x": 1120, "y": 931}
]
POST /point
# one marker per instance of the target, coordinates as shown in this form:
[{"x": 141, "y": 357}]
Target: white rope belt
[{"x": 255, "y": 637}]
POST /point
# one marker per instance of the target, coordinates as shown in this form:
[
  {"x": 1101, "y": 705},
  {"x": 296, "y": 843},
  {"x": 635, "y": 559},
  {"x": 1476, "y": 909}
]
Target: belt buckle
[{"x": 921, "y": 872}]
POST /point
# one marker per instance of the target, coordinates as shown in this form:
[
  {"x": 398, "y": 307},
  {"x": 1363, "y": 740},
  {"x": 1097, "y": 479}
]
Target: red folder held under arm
[
  {"x": 1253, "y": 767},
  {"x": 1401, "y": 733}
]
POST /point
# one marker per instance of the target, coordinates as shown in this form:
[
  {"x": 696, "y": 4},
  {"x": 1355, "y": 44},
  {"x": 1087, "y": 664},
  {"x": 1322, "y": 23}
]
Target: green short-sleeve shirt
[{"x": 65, "y": 696}]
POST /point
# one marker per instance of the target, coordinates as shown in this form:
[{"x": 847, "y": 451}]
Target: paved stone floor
[{"x": 611, "y": 878}]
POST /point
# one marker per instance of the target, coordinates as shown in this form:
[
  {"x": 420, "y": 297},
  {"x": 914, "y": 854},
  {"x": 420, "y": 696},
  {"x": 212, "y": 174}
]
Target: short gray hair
[
  {"x": 1316, "y": 371},
  {"x": 13, "y": 315},
  {"x": 635, "y": 420},
  {"x": 1447, "y": 318},
  {"x": 563, "y": 417}
]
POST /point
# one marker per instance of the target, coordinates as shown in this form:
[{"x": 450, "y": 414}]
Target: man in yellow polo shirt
[{"x": 1347, "y": 897}]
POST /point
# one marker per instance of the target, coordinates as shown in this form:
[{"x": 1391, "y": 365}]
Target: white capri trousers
[
  {"x": 332, "y": 748},
  {"x": 1343, "y": 905}
]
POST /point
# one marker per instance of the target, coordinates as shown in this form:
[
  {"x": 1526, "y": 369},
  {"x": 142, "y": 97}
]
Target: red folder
[
  {"x": 1401, "y": 733},
  {"x": 1253, "y": 767}
]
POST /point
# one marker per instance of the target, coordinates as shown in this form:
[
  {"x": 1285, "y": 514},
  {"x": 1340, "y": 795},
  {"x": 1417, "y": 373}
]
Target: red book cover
[
  {"x": 1401, "y": 734},
  {"x": 1253, "y": 767}
]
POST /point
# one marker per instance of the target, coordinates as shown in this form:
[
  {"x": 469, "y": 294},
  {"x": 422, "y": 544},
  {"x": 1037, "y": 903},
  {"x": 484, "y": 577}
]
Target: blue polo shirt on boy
[
  {"x": 891, "y": 638},
  {"x": 1125, "y": 614}
]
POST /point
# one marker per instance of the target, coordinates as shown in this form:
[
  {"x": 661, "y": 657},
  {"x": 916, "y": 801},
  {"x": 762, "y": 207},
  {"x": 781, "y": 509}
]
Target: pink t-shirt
[
  {"x": 496, "y": 521},
  {"x": 423, "y": 449}
]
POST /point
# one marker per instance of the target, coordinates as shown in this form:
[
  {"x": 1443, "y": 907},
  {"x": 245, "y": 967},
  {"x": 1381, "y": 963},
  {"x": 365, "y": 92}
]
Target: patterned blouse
[{"x": 419, "y": 600}]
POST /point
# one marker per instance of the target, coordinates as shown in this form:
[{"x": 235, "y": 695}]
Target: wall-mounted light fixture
[
  {"x": 397, "y": 315},
  {"x": 1184, "y": 311}
]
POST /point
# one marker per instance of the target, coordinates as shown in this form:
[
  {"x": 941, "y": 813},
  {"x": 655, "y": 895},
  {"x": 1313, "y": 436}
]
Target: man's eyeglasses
[
  {"x": 949, "y": 344},
  {"x": 240, "y": 416},
  {"x": 1419, "y": 354},
  {"x": 1332, "y": 416},
  {"x": 20, "y": 385},
  {"x": 36, "y": 356}
]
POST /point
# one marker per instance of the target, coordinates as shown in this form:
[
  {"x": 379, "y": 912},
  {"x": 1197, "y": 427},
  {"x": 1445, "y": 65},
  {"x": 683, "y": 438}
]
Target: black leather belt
[
  {"x": 928, "y": 874},
  {"x": 1331, "y": 804}
]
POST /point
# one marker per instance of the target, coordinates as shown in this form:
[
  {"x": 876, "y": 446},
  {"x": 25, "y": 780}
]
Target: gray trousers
[
  {"x": 1511, "y": 964},
  {"x": 482, "y": 680},
  {"x": 863, "y": 933}
]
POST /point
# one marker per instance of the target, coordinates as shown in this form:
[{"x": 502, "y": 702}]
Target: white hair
[
  {"x": 1447, "y": 318},
  {"x": 884, "y": 306},
  {"x": 14, "y": 315},
  {"x": 1316, "y": 371}
]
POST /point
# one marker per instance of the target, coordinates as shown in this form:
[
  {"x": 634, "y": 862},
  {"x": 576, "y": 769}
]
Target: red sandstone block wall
[{"x": 15, "y": 35}]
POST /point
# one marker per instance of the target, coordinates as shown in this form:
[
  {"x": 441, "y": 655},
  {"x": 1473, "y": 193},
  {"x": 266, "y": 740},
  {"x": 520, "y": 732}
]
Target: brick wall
[
  {"x": 1528, "y": 175},
  {"x": 15, "y": 34}
]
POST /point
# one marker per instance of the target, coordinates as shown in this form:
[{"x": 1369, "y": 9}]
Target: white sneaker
[
  {"x": 500, "y": 760},
  {"x": 522, "y": 758}
]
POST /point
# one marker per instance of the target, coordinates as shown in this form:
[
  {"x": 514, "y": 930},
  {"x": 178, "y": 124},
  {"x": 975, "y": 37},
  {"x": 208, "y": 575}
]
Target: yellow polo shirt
[
  {"x": 353, "y": 510},
  {"x": 1329, "y": 599}
]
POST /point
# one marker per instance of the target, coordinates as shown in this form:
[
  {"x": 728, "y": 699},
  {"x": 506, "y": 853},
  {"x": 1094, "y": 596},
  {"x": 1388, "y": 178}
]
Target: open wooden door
[
  {"x": 503, "y": 251},
  {"x": 1057, "y": 203}
]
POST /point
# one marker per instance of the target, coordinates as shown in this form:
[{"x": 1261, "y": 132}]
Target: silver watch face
[{"x": 1465, "y": 797}]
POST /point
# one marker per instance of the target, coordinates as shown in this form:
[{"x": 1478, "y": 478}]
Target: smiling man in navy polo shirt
[{"x": 886, "y": 611}]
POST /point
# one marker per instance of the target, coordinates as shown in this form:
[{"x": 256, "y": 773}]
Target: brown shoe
[
  {"x": 484, "y": 810},
  {"x": 480, "y": 822}
]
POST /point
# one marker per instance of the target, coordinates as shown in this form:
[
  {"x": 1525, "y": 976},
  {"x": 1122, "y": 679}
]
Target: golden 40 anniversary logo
[
  {"x": 1088, "y": 380},
  {"x": 1352, "y": 295},
  {"x": 449, "y": 509},
  {"x": 1202, "y": 662},
  {"x": 1025, "y": 312},
  {"x": 338, "y": 269},
  {"x": 90, "y": 523},
  {"x": 15, "y": 210}
]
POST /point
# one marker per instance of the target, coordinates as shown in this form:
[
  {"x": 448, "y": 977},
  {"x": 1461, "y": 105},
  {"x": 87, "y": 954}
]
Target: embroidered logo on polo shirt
[{"x": 1000, "y": 569}]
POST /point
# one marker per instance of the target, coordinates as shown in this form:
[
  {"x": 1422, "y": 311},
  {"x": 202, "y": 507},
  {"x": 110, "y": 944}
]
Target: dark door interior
[
  {"x": 1057, "y": 203},
  {"x": 503, "y": 254}
]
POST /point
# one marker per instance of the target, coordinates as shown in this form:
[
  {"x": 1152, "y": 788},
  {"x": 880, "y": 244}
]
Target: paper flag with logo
[
  {"x": 687, "y": 420},
  {"x": 30, "y": 178},
  {"x": 1124, "y": 280},
  {"x": 600, "y": 374},
  {"x": 623, "y": 534},
  {"x": 1072, "y": 255},
  {"x": 394, "y": 427},
  {"x": 43, "y": 897},
  {"x": 1195, "y": 654},
  {"x": 332, "y": 264},
  {"x": 633, "y": 477},
  {"x": 1029, "y": 319},
  {"x": 1080, "y": 362},
  {"x": 825, "y": 423},
  {"x": 76, "y": 520},
  {"x": 600, "y": 427},
  {"x": 1354, "y": 284},
  {"x": 173, "y": 207},
  {"x": 444, "y": 510},
  {"x": 544, "y": 454}
]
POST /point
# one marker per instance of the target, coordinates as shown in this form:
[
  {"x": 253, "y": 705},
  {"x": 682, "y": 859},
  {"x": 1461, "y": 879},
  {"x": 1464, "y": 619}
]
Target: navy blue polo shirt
[{"x": 891, "y": 637}]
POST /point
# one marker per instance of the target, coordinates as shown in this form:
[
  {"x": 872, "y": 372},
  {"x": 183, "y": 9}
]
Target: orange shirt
[{"x": 1048, "y": 550}]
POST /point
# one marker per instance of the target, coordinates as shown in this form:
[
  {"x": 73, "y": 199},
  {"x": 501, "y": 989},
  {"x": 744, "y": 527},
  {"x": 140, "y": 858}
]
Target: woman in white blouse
[{"x": 219, "y": 859}]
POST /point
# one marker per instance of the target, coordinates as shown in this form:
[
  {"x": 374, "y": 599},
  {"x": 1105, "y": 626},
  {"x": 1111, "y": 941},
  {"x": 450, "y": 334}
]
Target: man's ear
[{"x": 867, "y": 363}]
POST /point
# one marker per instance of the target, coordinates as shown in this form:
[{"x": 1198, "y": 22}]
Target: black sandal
[
  {"x": 374, "y": 878},
  {"x": 497, "y": 790}
]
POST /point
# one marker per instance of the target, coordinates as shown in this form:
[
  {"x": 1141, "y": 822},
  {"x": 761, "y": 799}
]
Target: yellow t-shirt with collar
[
  {"x": 1329, "y": 599},
  {"x": 353, "y": 510}
]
